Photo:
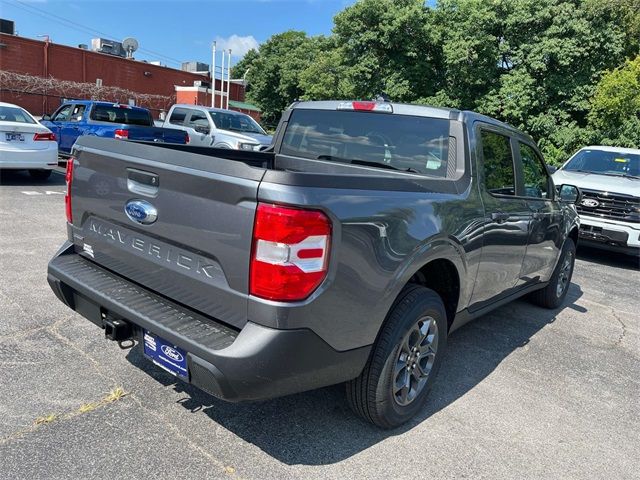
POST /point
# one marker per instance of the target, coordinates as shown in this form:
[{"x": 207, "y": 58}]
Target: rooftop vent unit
[
  {"x": 110, "y": 47},
  {"x": 195, "y": 67},
  {"x": 7, "y": 26}
]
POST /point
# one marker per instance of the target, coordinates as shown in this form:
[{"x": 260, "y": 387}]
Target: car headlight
[{"x": 248, "y": 146}]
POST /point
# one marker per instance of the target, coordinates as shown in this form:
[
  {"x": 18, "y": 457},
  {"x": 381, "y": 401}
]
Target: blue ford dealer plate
[{"x": 166, "y": 355}]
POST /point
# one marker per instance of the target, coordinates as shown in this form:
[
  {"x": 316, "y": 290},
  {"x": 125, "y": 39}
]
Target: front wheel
[
  {"x": 404, "y": 362},
  {"x": 553, "y": 295}
]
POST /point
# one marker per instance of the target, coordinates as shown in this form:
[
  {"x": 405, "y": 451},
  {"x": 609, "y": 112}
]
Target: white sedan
[{"x": 25, "y": 143}]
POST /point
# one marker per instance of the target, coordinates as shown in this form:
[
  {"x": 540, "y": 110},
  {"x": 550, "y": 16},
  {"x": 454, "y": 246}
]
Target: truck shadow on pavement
[
  {"x": 22, "y": 178},
  {"x": 607, "y": 258},
  {"x": 318, "y": 428}
]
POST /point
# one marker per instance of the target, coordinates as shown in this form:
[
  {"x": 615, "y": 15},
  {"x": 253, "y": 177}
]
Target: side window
[
  {"x": 536, "y": 179},
  {"x": 63, "y": 114},
  {"x": 199, "y": 121},
  {"x": 77, "y": 113},
  {"x": 178, "y": 115},
  {"x": 499, "y": 175}
]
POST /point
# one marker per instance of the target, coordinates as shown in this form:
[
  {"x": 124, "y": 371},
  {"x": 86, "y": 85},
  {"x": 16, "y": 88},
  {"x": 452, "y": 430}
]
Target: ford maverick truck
[{"x": 345, "y": 253}]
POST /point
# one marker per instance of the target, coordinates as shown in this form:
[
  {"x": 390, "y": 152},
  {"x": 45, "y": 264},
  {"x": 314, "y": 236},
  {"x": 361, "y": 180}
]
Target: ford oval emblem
[
  {"x": 172, "y": 353},
  {"x": 590, "y": 202},
  {"x": 141, "y": 211}
]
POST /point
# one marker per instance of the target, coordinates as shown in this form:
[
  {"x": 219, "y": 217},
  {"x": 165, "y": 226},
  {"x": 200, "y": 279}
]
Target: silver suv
[{"x": 218, "y": 128}]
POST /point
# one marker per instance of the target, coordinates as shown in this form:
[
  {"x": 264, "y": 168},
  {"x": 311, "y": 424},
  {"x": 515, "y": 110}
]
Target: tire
[
  {"x": 40, "y": 174},
  {"x": 553, "y": 295},
  {"x": 374, "y": 395}
]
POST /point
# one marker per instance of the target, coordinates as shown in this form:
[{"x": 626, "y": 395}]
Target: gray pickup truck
[{"x": 346, "y": 253}]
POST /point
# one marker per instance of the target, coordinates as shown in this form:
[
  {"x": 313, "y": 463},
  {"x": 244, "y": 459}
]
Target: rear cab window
[
  {"x": 392, "y": 141},
  {"x": 121, "y": 114}
]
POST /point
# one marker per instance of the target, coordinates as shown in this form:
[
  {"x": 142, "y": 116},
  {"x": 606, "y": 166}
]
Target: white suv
[
  {"x": 609, "y": 178},
  {"x": 218, "y": 128}
]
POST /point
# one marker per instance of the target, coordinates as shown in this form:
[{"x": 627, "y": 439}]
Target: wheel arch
[{"x": 440, "y": 266}]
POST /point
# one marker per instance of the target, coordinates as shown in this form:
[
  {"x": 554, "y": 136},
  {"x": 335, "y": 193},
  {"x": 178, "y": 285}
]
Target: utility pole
[{"x": 213, "y": 75}]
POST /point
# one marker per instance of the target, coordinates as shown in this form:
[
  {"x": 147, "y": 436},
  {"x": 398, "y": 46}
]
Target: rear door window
[
  {"x": 399, "y": 142},
  {"x": 497, "y": 159}
]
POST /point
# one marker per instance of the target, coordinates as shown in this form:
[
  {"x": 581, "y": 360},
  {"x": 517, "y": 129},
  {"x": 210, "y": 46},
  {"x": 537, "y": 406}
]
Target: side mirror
[
  {"x": 46, "y": 117},
  {"x": 569, "y": 194},
  {"x": 202, "y": 129},
  {"x": 551, "y": 169}
]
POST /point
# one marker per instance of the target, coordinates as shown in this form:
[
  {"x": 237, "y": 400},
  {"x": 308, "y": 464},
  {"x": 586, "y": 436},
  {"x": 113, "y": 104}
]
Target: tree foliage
[
  {"x": 615, "y": 106},
  {"x": 536, "y": 64}
]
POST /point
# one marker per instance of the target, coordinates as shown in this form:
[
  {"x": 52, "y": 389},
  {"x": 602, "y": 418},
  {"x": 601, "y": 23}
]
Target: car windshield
[
  {"x": 398, "y": 142},
  {"x": 121, "y": 114},
  {"x": 236, "y": 122},
  {"x": 605, "y": 163},
  {"x": 15, "y": 114}
]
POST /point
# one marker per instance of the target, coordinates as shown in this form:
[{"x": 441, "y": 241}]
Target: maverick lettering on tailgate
[{"x": 159, "y": 252}]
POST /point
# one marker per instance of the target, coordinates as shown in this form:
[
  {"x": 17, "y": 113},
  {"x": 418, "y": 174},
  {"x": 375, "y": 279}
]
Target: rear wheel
[
  {"x": 553, "y": 295},
  {"x": 40, "y": 174},
  {"x": 404, "y": 362}
]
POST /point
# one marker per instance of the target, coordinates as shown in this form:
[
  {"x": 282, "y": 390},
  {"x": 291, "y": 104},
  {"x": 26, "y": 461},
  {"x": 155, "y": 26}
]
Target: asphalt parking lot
[{"x": 524, "y": 392}]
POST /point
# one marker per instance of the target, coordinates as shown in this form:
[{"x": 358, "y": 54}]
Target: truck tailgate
[{"x": 197, "y": 251}]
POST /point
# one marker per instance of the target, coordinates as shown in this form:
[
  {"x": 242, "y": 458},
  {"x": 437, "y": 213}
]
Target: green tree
[
  {"x": 389, "y": 46},
  {"x": 615, "y": 107},
  {"x": 274, "y": 72}
]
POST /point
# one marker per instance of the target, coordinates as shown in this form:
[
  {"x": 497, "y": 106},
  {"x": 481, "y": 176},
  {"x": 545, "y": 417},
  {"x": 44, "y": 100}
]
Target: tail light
[
  {"x": 187, "y": 139},
  {"x": 121, "y": 134},
  {"x": 290, "y": 252},
  {"x": 68, "y": 177},
  {"x": 378, "y": 107},
  {"x": 44, "y": 137}
]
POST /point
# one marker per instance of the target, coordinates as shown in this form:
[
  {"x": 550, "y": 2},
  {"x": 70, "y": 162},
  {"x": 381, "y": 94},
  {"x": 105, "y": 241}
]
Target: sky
[{"x": 171, "y": 31}]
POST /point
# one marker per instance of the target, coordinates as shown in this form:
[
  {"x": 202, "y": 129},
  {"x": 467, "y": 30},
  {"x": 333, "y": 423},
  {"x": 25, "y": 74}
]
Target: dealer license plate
[{"x": 166, "y": 355}]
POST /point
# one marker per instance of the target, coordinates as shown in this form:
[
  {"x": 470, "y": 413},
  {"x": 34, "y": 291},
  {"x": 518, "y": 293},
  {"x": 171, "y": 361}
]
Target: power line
[{"x": 79, "y": 27}]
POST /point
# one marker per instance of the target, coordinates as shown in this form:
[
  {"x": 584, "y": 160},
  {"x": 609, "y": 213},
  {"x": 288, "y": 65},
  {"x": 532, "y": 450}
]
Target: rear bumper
[
  {"x": 254, "y": 363},
  {"x": 30, "y": 159}
]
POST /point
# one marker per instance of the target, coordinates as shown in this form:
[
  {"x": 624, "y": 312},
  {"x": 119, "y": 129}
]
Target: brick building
[{"x": 38, "y": 75}]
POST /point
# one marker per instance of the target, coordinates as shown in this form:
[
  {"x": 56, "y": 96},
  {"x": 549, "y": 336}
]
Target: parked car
[
  {"x": 111, "y": 120},
  {"x": 219, "y": 128},
  {"x": 609, "y": 178},
  {"x": 348, "y": 253},
  {"x": 25, "y": 143}
]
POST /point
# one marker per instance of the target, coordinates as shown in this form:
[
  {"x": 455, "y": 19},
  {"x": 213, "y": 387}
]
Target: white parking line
[{"x": 46, "y": 192}]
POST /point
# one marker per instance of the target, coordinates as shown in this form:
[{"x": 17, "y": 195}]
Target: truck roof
[{"x": 101, "y": 102}]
